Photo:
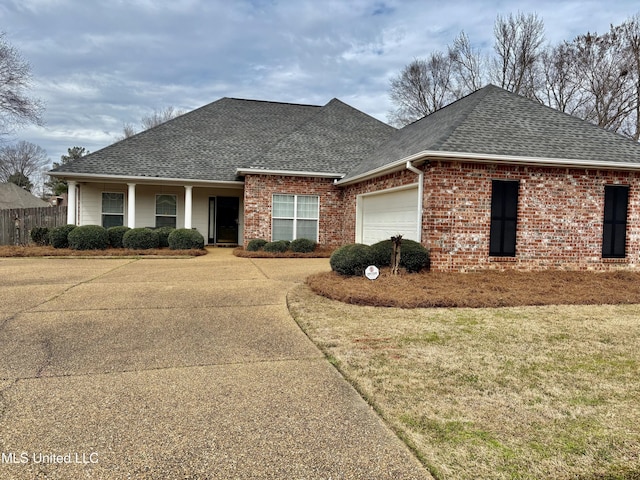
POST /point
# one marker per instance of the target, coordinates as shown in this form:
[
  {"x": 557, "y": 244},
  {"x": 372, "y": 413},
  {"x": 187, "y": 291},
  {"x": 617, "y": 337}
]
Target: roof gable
[
  {"x": 214, "y": 141},
  {"x": 495, "y": 122},
  {"x": 13, "y": 196},
  {"x": 335, "y": 139},
  {"x": 205, "y": 144}
]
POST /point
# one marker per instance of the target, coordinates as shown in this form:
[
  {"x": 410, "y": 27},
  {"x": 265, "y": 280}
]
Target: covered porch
[{"x": 215, "y": 209}]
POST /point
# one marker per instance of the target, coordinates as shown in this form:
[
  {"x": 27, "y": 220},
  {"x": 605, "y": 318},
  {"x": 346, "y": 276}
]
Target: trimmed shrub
[
  {"x": 279, "y": 246},
  {"x": 116, "y": 234},
  {"x": 381, "y": 253},
  {"x": 185, "y": 239},
  {"x": 88, "y": 237},
  {"x": 163, "y": 235},
  {"x": 40, "y": 235},
  {"x": 140, "y": 239},
  {"x": 413, "y": 256},
  {"x": 302, "y": 245},
  {"x": 351, "y": 259},
  {"x": 58, "y": 236},
  {"x": 255, "y": 244}
]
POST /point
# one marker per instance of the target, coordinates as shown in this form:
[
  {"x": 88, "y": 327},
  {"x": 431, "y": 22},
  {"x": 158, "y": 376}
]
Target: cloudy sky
[{"x": 98, "y": 64}]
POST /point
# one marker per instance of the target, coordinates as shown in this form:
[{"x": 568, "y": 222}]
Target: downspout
[{"x": 420, "y": 174}]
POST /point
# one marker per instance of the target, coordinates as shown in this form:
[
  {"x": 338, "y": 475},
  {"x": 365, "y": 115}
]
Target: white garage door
[{"x": 385, "y": 215}]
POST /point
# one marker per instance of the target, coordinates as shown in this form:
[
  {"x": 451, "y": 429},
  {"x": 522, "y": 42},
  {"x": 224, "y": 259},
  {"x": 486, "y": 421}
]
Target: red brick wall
[
  {"x": 560, "y": 215},
  {"x": 258, "y": 193}
]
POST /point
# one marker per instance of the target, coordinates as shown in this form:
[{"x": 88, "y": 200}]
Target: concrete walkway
[{"x": 175, "y": 369}]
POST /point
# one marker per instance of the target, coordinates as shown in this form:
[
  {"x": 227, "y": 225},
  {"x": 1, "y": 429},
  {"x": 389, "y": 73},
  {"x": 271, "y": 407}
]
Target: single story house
[
  {"x": 493, "y": 180},
  {"x": 13, "y": 196}
]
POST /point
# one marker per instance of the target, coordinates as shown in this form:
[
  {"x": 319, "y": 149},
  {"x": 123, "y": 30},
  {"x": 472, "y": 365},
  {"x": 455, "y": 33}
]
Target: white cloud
[{"x": 101, "y": 63}]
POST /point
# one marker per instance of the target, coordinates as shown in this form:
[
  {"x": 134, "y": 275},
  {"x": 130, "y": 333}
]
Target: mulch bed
[{"x": 481, "y": 289}]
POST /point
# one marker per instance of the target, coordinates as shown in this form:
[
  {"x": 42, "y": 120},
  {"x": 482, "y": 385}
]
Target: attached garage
[{"x": 384, "y": 214}]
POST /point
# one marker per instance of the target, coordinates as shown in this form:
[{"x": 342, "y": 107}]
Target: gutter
[
  {"x": 144, "y": 179},
  {"x": 490, "y": 158},
  {"x": 288, "y": 173},
  {"x": 420, "y": 174}
]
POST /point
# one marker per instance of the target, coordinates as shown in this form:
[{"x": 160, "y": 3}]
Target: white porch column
[
  {"x": 131, "y": 206},
  {"x": 188, "y": 205},
  {"x": 72, "y": 202}
]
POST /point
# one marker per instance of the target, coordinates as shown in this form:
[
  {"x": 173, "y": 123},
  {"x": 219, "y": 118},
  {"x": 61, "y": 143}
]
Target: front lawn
[{"x": 501, "y": 393}]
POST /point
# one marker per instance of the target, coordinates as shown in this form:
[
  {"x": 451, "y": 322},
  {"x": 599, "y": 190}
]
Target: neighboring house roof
[
  {"x": 211, "y": 143},
  {"x": 13, "y": 196},
  {"x": 495, "y": 123}
]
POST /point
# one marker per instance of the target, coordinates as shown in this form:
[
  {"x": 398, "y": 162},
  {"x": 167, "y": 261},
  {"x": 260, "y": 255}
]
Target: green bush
[
  {"x": 185, "y": 239},
  {"x": 256, "y": 244},
  {"x": 279, "y": 246},
  {"x": 163, "y": 235},
  {"x": 302, "y": 245},
  {"x": 351, "y": 259},
  {"x": 88, "y": 237},
  {"x": 58, "y": 236},
  {"x": 140, "y": 239},
  {"x": 381, "y": 253},
  {"x": 413, "y": 256},
  {"x": 116, "y": 234},
  {"x": 40, "y": 235}
]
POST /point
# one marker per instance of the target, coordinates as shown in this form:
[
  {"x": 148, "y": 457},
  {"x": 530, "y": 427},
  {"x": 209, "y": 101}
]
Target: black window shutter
[
  {"x": 504, "y": 218},
  {"x": 614, "y": 231}
]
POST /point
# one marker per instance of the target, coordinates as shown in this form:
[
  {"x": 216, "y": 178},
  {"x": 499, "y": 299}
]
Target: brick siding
[
  {"x": 258, "y": 194},
  {"x": 560, "y": 213},
  {"x": 560, "y": 217}
]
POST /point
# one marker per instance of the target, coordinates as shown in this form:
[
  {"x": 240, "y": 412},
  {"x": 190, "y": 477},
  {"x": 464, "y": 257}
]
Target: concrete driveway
[{"x": 175, "y": 369}]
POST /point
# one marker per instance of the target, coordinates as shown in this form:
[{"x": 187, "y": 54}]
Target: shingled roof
[
  {"x": 495, "y": 122},
  {"x": 336, "y": 139},
  {"x": 13, "y": 196},
  {"x": 212, "y": 142}
]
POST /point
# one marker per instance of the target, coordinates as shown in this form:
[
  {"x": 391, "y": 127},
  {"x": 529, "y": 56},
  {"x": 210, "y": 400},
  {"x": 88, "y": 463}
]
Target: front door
[{"x": 223, "y": 219}]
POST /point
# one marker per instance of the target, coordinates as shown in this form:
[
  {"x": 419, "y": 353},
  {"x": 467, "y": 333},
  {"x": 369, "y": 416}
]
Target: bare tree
[
  {"x": 468, "y": 66},
  {"x": 561, "y": 87},
  {"x": 128, "y": 130},
  {"x": 16, "y": 107},
  {"x": 22, "y": 160},
  {"x": 604, "y": 70},
  {"x": 630, "y": 35},
  {"x": 422, "y": 87},
  {"x": 156, "y": 118},
  {"x": 518, "y": 44},
  {"x": 160, "y": 116},
  {"x": 594, "y": 77}
]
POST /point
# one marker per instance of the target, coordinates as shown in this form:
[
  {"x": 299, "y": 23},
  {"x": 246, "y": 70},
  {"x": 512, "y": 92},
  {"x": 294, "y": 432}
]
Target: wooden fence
[{"x": 28, "y": 218}]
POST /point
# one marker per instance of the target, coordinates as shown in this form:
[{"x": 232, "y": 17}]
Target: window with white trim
[
  {"x": 112, "y": 209},
  {"x": 166, "y": 210},
  {"x": 295, "y": 216}
]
